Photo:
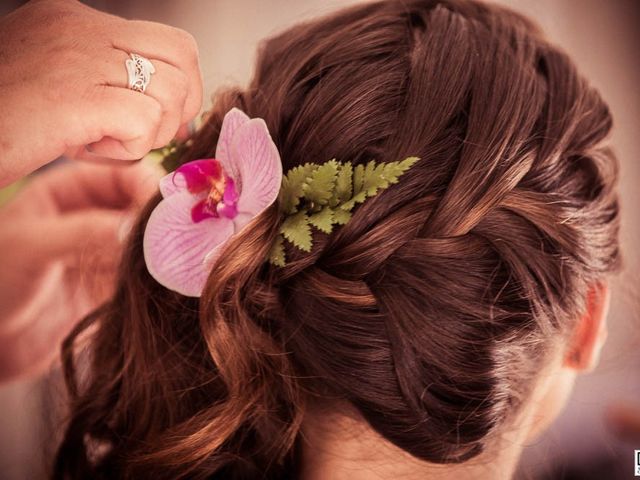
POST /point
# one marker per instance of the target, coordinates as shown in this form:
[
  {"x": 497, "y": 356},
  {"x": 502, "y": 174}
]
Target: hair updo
[{"x": 430, "y": 312}]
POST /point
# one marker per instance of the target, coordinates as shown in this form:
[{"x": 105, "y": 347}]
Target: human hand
[
  {"x": 60, "y": 244},
  {"x": 64, "y": 85}
]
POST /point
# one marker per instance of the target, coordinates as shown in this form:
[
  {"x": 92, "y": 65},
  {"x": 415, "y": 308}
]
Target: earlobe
[{"x": 590, "y": 333}]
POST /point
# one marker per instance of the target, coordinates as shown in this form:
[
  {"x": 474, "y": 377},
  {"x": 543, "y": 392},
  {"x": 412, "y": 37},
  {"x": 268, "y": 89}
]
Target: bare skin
[
  {"x": 60, "y": 246},
  {"x": 338, "y": 444},
  {"x": 64, "y": 90},
  {"x": 63, "y": 86}
]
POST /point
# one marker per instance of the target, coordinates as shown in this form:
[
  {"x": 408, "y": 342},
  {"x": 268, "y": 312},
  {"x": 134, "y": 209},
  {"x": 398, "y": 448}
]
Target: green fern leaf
[
  {"x": 323, "y": 220},
  {"x": 393, "y": 170},
  {"x": 374, "y": 178},
  {"x": 357, "y": 198},
  {"x": 292, "y": 189},
  {"x": 297, "y": 230},
  {"x": 381, "y": 182},
  {"x": 372, "y": 182},
  {"x": 319, "y": 187},
  {"x": 341, "y": 217},
  {"x": 343, "y": 189},
  {"x": 331, "y": 190},
  {"x": 358, "y": 179},
  {"x": 169, "y": 156},
  {"x": 276, "y": 255},
  {"x": 364, "y": 183}
]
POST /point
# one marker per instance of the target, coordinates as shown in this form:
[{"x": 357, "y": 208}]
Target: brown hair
[{"x": 430, "y": 311}]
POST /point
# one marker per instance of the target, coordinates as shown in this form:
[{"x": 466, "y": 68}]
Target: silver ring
[{"x": 139, "y": 70}]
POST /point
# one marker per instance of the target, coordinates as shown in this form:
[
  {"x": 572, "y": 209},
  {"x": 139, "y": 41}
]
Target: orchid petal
[
  {"x": 227, "y": 210},
  {"x": 233, "y": 120},
  {"x": 194, "y": 176},
  {"x": 175, "y": 248},
  {"x": 203, "y": 210},
  {"x": 230, "y": 191},
  {"x": 228, "y": 205},
  {"x": 198, "y": 174},
  {"x": 170, "y": 184},
  {"x": 241, "y": 219},
  {"x": 258, "y": 162}
]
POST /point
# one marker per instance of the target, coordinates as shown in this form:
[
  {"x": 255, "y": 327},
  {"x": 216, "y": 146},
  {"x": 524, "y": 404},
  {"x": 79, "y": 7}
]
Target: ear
[{"x": 590, "y": 333}]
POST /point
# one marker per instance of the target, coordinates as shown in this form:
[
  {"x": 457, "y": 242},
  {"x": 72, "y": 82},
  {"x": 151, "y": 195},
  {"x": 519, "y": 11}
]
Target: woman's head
[{"x": 430, "y": 313}]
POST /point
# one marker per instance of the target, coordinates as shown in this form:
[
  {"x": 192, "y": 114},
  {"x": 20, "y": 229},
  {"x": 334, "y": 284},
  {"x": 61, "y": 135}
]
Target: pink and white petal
[
  {"x": 203, "y": 210},
  {"x": 232, "y": 120},
  {"x": 213, "y": 255},
  {"x": 230, "y": 194},
  {"x": 175, "y": 248},
  {"x": 170, "y": 184},
  {"x": 241, "y": 219},
  {"x": 194, "y": 176},
  {"x": 228, "y": 210},
  {"x": 199, "y": 173},
  {"x": 259, "y": 164}
]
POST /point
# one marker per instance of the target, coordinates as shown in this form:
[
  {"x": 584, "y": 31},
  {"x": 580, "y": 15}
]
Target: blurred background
[{"x": 603, "y": 39}]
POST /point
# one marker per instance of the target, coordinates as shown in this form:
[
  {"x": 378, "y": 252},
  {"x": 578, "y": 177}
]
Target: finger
[
  {"x": 86, "y": 154},
  {"x": 185, "y": 131},
  {"x": 77, "y": 186},
  {"x": 93, "y": 236},
  {"x": 169, "y": 44},
  {"x": 130, "y": 119},
  {"x": 168, "y": 85},
  {"x": 30, "y": 349}
]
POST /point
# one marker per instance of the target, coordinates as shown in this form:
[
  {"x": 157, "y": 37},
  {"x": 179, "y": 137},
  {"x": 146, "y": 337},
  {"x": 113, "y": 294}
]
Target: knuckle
[
  {"x": 164, "y": 137},
  {"x": 146, "y": 128},
  {"x": 182, "y": 81},
  {"x": 181, "y": 86},
  {"x": 142, "y": 146},
  {"x": 155, "y": 114},
  {"x": 58, "y": 12},
  {"x": 190, "y": 111},
  {"x": 187, "y": 41},
  {"x": 188, "y": 46}
]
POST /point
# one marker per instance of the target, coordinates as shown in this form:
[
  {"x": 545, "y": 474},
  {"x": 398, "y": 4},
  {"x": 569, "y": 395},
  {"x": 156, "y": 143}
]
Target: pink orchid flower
[{"x": 206, "y": 201}]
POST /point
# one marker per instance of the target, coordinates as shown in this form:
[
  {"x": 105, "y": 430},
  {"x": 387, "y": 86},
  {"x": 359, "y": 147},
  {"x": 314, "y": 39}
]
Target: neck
[
  {"x": 362, "y": 454},
  {"x": 339, "y": 444}
]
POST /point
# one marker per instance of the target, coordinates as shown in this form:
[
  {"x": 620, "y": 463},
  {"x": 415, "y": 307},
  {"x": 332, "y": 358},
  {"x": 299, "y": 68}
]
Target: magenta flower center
[
  {"x": 208, "y": 176},
  {"x": 220, "y": 201},
  {"x": 217, "y": 190}
]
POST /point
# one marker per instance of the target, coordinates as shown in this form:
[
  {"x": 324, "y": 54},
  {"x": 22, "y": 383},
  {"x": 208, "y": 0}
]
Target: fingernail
[
  {"x": 186, "y": 131},
  {"x": 191, "y": 126},
  {"x": 125, "y": 228}
]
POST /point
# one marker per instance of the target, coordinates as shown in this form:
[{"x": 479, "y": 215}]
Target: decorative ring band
[{"x": 139, "y": 70}]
